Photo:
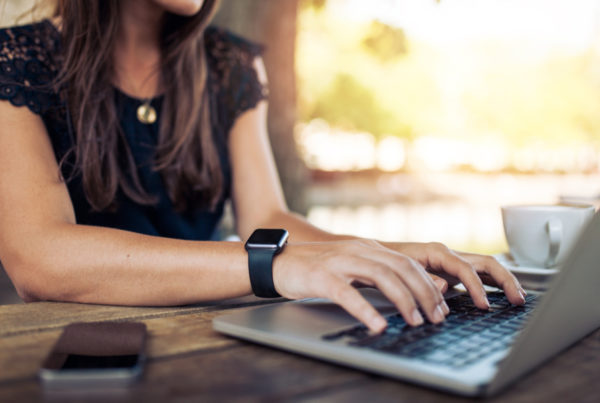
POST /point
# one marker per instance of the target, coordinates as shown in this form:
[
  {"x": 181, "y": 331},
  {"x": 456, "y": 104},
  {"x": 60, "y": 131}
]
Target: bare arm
[{"x": 49, "y": 256}]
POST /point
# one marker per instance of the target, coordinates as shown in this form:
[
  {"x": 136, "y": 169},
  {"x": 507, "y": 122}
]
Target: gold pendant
[{"x": 146, "y": 113}]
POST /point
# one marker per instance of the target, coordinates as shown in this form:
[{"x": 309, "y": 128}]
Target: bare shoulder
[
  {"x": 30, "y": 183},
  {"x": 21, "y": 128}
]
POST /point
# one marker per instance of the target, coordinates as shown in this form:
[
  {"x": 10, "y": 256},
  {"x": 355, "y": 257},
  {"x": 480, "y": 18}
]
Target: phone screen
[{"x": 80, "y": 361}]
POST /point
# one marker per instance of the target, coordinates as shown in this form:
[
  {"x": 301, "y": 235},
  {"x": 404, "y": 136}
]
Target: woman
[{"x": 126, "y": 124}]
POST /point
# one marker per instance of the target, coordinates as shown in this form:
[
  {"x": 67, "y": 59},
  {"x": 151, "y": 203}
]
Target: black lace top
[{"x": 28, "y": 65}]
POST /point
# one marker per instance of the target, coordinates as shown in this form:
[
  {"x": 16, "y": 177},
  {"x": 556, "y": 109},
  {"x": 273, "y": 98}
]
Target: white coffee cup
[{"x": 542, "y": 235}]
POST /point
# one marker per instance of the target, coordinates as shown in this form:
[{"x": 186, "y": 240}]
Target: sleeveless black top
[{"x": 29, "y": 62}]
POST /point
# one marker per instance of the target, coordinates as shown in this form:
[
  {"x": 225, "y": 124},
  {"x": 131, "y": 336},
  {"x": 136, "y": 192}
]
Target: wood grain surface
[{"x": 188, "y": 361}]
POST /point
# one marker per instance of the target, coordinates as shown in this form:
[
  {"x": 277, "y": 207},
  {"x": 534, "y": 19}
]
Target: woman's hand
[
  {"x": 328, "y": 270},
  {"x": 471, "y": 269}
]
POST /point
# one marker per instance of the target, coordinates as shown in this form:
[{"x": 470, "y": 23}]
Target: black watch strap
[{"x": 260, "y": 263}]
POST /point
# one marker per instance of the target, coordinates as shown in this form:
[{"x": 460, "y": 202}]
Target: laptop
[{"x": 473, "y": 353}]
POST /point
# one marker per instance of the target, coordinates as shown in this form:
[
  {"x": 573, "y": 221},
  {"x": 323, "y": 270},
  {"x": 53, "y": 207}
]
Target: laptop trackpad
[{"x": 311, "y": 317}]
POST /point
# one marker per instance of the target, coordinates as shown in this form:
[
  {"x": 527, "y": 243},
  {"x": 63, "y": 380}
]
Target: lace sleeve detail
[
  {"x": 27, "y": 69},
  {"x": 232, "y": 74}
]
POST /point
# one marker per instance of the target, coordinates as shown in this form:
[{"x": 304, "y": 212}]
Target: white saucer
[{"x": 533, "y": 278}]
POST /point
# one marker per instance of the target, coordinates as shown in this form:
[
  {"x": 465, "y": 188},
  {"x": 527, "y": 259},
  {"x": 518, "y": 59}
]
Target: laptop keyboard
[{"x": 467, "y": 335}]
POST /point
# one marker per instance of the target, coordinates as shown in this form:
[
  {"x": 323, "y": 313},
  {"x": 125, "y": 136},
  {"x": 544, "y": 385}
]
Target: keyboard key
[
  {"x": 440, "y": 356},
  {"x": 462, "y": 332},
  {"x": 491, "y": 320},
  {"x": 475, "y": 327},
  {"x": 499, "y": 305},
  {"x": 511, "y": 325},
  {"x": 490, "y": 334}
]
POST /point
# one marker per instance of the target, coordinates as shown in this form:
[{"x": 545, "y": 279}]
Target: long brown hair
[{"x": 186, "y": 155}]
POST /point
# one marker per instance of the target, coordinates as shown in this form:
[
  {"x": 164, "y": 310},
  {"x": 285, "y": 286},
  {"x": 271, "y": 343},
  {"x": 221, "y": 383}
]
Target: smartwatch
[{"x": 262, "y": 246}]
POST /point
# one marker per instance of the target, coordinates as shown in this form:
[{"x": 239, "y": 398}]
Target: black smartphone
[{"x": 96, "y": 354}]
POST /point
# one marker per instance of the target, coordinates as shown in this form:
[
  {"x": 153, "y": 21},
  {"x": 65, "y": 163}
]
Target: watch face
[{"x": 267, "y": 239}]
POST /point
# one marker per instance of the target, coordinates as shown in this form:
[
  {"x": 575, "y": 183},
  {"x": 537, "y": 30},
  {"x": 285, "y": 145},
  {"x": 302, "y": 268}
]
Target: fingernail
[
  {"x": 522, "y": 296},
  {"x": 445, "y": 307},
  {"x": 417, "y": 318},
  {"x": 438, "y": 314},
  {"x": 523, "y": 291},
  {"x": 487, "y": 302}
]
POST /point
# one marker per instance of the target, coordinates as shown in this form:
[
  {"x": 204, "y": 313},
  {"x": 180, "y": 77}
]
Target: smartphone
[{"x": 96, "y": 354}]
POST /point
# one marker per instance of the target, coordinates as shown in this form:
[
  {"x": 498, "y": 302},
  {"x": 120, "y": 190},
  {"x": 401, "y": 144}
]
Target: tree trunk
[{"x": 273, "y": 24}]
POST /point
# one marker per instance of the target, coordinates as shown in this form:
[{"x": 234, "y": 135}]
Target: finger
[
  {"x": 444, "y": 259},
  {"x": 425, "y": 291},
  {"x": 356, "y": 305},
  {"x": 442, "y": 285},
  {"x": 439, "y": 282},
  {"x": 408, "y": 277},
  {"x": 388, "y": 282},
  {"x": 501, "y": 277}
]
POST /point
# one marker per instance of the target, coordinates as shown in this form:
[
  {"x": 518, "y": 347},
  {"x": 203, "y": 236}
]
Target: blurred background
[{"x": 417, "y": 119}]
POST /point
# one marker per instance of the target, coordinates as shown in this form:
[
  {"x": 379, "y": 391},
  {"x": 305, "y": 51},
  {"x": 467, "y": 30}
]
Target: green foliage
[
  {"x": 348, "y": 104},
  {"x": 357, "y": 73},
  {"x": 385, "y": 42}
]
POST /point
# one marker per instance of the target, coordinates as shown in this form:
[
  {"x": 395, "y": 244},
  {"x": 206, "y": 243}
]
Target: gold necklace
[{"x": 145, "y": 113}]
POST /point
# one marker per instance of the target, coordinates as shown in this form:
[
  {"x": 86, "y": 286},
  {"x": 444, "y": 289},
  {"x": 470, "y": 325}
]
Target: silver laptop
[{"x": 472, "y": 353}]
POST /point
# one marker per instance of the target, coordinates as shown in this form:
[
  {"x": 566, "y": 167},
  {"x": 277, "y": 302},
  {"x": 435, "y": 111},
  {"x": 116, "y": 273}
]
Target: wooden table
[{"x": 188, "y": 361}]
